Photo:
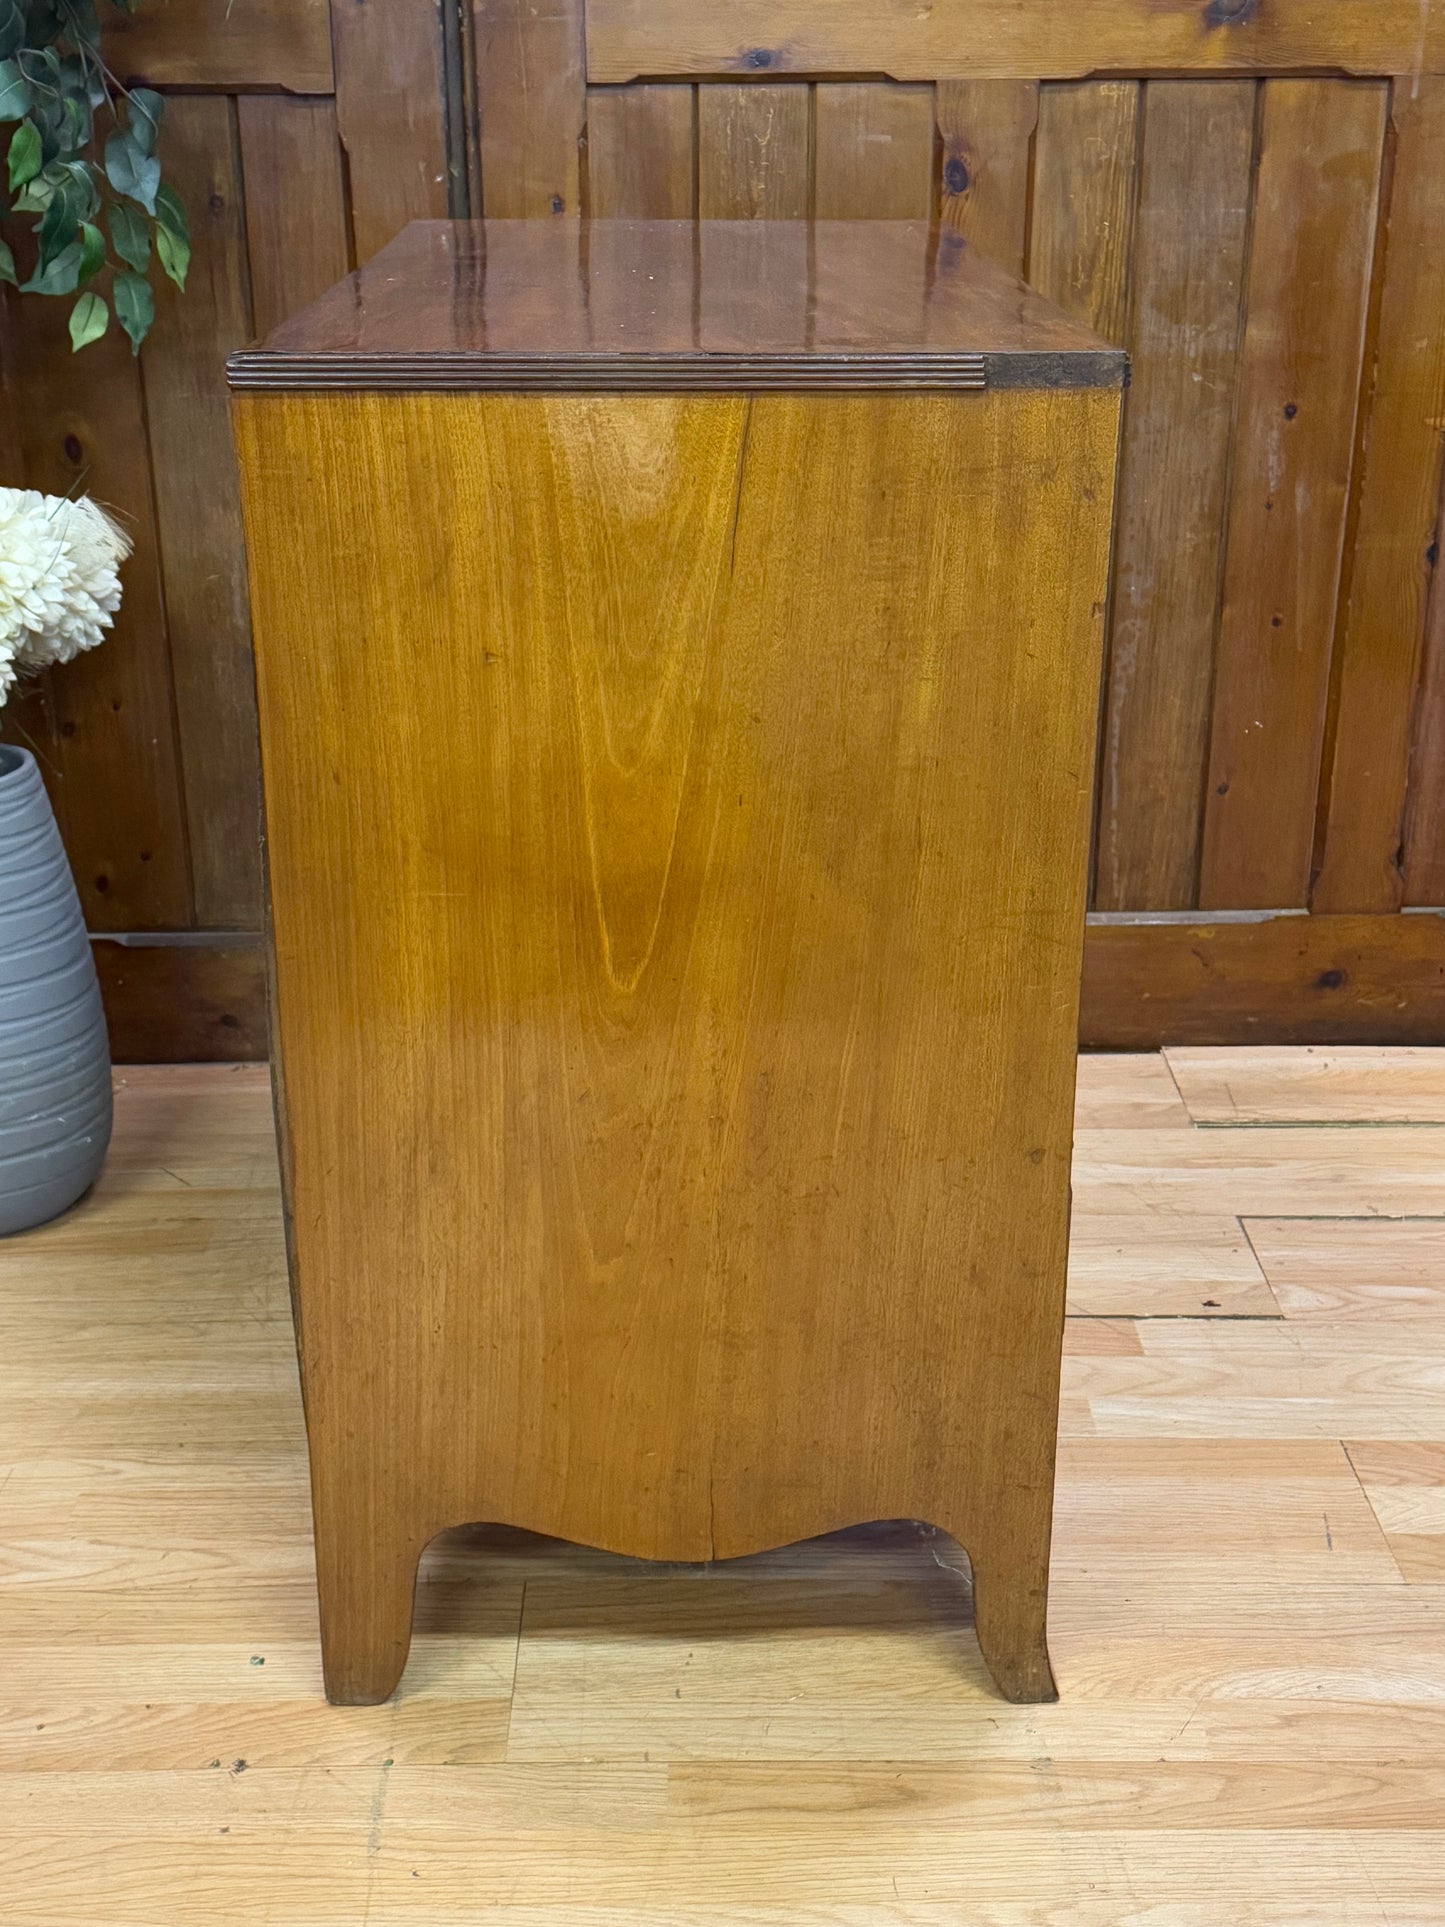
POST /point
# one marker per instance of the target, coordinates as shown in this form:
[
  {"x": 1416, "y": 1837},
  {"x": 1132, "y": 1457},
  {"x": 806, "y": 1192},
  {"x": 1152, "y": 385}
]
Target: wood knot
[
  {"x": 1230, "y": 13},
  {"x": 955, "y": 175}
]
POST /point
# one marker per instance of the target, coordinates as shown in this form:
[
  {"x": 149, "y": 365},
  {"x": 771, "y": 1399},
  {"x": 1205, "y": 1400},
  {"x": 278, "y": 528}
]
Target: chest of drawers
[{"x": 678, "y": 652}]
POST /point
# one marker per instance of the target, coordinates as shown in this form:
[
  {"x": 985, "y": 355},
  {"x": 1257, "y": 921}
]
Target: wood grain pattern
[
  {"x": 112, "y": 759},
  {"x": 873, "y": 152},
  {"x": 1189, "y": 266},
  {"x": 1084, "y": 189},
  {"x": 987, "y": 130},
  {"x": 1250, "y": 1723},
  {"x": 1133, "y": 1263},
  {"x": 390, "y": 91},
  {"x": 641, "y": 143},
  {"x": 1124, "y": 1089},
  {"x": 532, "y": 98},
  {"x": 658, "y": 926},
  {"x": 1315, "y": 1086},
  {"x": 754, "y": 156},
  {"x": 671, "y": 305},
  {"x": 198, "y": 517},
  {"x": 1389, "y": 567},
  {"x": 296, "y": 244},
  {"x": 1283, "y": 980},
  {"x": 216, "y": 44},
  {"x": 1310, "y": 260},
  {"x": 1405, "y": 1484},
  {"x": 182, "y": 1000},
  {"x": 1376, "y": 980},
  {"x": 1425, "y": 815},
  {"x": 1360, "y": 1271},
  {"x": 1387, "y": 691},
  {"x": 999, "y": 39}
]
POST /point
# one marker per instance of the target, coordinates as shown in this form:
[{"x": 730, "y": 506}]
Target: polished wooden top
[{"x": 551, "y": 304}]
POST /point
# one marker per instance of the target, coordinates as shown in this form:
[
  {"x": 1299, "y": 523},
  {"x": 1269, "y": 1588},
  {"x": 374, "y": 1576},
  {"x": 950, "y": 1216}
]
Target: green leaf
[
  {"x": 83, "y": 78},
  {"x": 34, "y": 197},
  {"x": 48, "y": 58},
  {"x": 7, "y": 265},
  {"x": 92, "y": 251},
  {"x": 46, "y": 20},
  {"x": 174, "y": 253},
  {"x": 146, "y": 108},
  {"x": 89, "y": 319},
  {"x": 58, "y": 276},
  {"x": 173, "y": 235},
  {"x": 15, "y": 92},
  {"x": 24, "y": 154},
  {"x": 171, "y": 213},
  {"x": 130, "y": 235},
  {"x": 12, "y": 27},
  {"x": 59, "y": 222},
  {"x": 134, "y": 307},
  {"x": 87, "y": 188},
  {"x": 53, "y": 112},
  {"x": 74, "y": 124},
  {"x": 130, "y": 172}
]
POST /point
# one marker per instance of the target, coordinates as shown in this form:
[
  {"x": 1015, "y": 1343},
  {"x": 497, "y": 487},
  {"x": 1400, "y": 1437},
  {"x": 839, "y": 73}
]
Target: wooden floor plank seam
[
  {"x": 1176, "y": 1317},
  {"x": 1319, "y": 1124},
  {"x": 1245, "y": 1233}
]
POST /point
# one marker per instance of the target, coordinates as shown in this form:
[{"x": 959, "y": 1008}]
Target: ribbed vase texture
[{"x": 54, "y": 1053}]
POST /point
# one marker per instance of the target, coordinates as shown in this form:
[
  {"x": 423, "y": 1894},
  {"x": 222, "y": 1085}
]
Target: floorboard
[{"x": 1248, "y": 1604}]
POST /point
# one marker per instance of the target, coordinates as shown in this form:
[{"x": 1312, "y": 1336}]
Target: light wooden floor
[{"x": 1248, "y": 1604}]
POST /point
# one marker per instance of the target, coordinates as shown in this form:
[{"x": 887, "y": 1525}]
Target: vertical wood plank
[
  {"x": 987, "y": 128},
  {"x": 390, "y": 109},
  {"x": 1310, "y": 263},
  {"x": 640, "y": 147},
  {"x": 198, "y": 516},
  {"x": 296, "y": 242},
  {"x": 1085, "y": 168},
  {"x": 28, "y": 719},
  {"x": 1425, "y": 813},
  {"x": 1397, "y": 496},
  {"x": 28, "y": 714},
  {"x": 1190, "y": 238},
  {"x": 753, "y": 152},
  {"x": 873, "y": 151},
  {"x": 111, "y": 762},
  {"x": 531, "y": 93}
]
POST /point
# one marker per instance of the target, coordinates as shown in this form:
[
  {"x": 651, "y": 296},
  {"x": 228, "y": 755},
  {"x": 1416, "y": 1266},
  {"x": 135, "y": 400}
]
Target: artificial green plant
[{"x": 81, "y": 162}]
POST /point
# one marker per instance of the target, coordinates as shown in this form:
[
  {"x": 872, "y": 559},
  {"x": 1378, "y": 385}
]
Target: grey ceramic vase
[{"x": 54, "y": 1053}]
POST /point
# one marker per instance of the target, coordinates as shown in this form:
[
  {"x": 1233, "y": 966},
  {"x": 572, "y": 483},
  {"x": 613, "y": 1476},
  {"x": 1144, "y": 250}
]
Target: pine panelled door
[
  {"x": 678, "y": 651},
  {"x": 1248, "y": 198}
]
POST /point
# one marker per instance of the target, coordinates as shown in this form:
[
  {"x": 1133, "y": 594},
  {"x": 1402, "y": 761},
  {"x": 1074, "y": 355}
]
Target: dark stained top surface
[{"x": 678, "y": 304}]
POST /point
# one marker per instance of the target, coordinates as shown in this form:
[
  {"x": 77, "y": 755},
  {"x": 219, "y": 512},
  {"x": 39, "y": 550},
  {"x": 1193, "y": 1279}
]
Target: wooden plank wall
[
  {"x": 1271, "y": 252},
  {"x": 290, "y": 158}
]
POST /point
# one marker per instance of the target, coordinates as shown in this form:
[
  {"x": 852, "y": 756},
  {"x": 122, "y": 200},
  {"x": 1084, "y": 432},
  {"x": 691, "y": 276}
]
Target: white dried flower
[{"x": 58, "y": 583}]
